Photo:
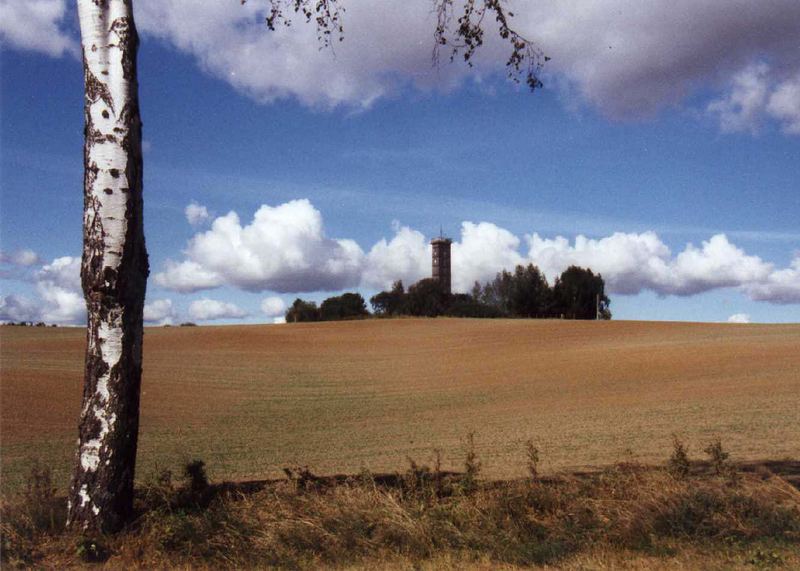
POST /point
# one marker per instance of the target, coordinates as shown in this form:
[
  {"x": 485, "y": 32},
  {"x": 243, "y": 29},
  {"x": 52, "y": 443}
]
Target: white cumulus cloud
[
  {"x": 25, "y": 257},
  {"x": 58, "y": 293},
  {"x": 273, "y": 306},
  {"x": 37, "y": 25},
  {"x": 717, "y": 264},
  {"x": 59, "y": 286},
  {"x": 742, "y": 108},
  {"x": 18, "y": 308},
  {"x": 159, "y": 311},
  {"x": 406, "y": 257},
  {"x": 187, "y": 276},
  {"x": 283, "y": 249},
  {"x": 387, "y": 45},
  {"x": 631, "y": 263},
  {"x": 208, "y": 309},
  {"x": 780, "y": 286},
  {"x": 756, "y": 95},
  {"x": 196, "y": 214},
  {"x": 739, "y": 318},
  {"x": 784, "y": 105},
  {"x": 484, "y": 250}
]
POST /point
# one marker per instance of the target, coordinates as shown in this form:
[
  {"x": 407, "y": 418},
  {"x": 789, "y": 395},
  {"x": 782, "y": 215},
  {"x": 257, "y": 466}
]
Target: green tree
[
  {"x": 390, "y": 302},
  {"x": 302, "y": 310},
  {"x": 498, "y": 292},
  {"x": 530, "y": 294},
  {"x": 345, "y": 306},
  {"x": 477, "y": 291},
  {"x": 580, "y": 294},
  {"x": 427, "y": 298}
]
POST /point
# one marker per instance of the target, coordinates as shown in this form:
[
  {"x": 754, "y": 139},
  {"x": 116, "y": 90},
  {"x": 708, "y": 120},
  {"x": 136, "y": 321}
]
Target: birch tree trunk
[{"x": 113, "y": 271}]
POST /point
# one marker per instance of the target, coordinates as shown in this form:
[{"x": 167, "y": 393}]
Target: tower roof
[{"x": 441, "y": 239}]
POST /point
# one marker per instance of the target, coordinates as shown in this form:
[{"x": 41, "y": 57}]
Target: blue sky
[{"x": 361, "y": 158}]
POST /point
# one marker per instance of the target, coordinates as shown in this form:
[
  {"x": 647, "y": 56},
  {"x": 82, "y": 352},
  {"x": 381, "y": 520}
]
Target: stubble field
[{"x": 342, "y": 397}]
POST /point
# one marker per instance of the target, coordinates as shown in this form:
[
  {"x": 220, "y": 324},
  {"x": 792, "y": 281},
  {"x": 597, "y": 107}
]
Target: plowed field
[{"x": 341, "y": 397}]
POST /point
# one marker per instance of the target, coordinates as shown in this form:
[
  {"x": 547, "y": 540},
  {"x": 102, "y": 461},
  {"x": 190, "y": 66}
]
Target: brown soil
[{"x": 250, "y": 400}]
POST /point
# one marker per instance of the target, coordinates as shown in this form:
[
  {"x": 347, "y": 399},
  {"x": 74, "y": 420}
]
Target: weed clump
[
  {"x": 717, "y": 457},
  {"x": 678, "y": 464},
  {"x": 472, "y": 466},
  {"x": 532, "y": 457},
  {"x": 196, "y": 474},
  {"x": 30, "y": 519},
  {"x": 90, "y": 550}
]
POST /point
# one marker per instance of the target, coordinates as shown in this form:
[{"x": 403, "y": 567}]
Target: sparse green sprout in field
[
  {"x": 678, "y": 464},
  {"x": 437, "y": 461},
  {"x": 40, "y": 498},
  {"x": 532, "y": 455},
  {"x": 472, "y": 466},
  {"x": 717, "y": 456}
]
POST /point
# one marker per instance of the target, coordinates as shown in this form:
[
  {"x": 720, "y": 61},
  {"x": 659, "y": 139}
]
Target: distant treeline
[
  {"x": 337, "y": 308},
  {"x": 521, "y": 293},
  {"x": 577, "y": 293}
]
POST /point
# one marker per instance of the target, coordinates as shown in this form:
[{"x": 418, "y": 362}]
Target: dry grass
[
  {"x": 339, "y": 397},
  {"x": 626, "y": 517}
]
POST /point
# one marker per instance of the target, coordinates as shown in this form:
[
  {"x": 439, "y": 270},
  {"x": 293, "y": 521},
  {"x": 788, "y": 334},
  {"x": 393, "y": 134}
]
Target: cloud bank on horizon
[
  {"x": 58, "y": 289},
  {"x": 284, "y": 250},
  {"x": 627, "y": 60}
]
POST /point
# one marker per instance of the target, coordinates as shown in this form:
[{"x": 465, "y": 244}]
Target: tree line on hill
[
  {"x": 337, "y": 308},
  {"x": 578, "y": 293}
]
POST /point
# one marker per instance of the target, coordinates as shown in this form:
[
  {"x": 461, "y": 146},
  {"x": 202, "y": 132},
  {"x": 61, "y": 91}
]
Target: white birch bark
[{"x": 114, "y": 269}]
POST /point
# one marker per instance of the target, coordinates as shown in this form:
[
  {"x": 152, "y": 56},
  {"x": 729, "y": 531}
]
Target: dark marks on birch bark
[
  {"x": 96, "y": 90},
  {"x": 128, "y": 43}
]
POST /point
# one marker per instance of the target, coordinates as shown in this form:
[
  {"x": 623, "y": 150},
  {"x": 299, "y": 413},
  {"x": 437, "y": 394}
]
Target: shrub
[
  {"x": 678, "y": 464},
  {"x": 196, "y": 474},
  {"x": 717, "y": 457}
]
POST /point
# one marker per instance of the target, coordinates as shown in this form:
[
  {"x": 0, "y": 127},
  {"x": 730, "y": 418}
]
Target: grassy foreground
[
  {"x": 342, "y": 397},
  {"x": 625, "y": 517}
]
